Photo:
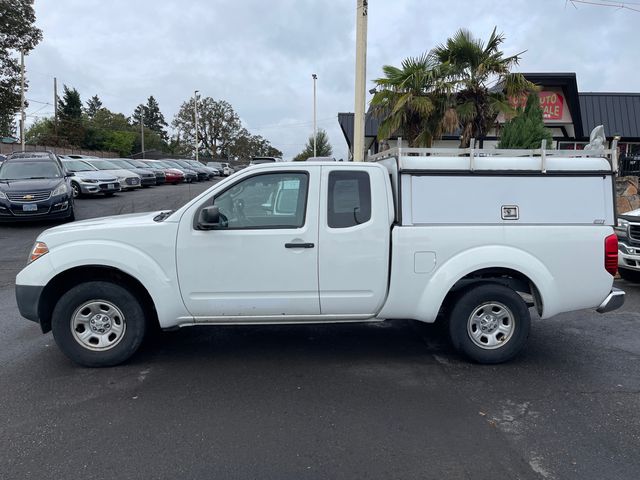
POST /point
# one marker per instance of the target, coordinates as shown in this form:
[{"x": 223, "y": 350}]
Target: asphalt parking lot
[{"x": 364, "y": 401}]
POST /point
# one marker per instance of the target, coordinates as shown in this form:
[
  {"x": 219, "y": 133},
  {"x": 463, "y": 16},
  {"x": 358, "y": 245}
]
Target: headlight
[
  {"x": 622, "y": 223},
  {"x": 60, "y": 190},
  {"x": 90, "y": 180},
  {"x": 122, "y": 179},
  {"x": 38, "y": 250},
  {"x": 3, "y": 195}
]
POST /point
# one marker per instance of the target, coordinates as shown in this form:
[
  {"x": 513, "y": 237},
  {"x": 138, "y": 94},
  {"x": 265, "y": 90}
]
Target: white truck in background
[{"x": 411, "y": 234}]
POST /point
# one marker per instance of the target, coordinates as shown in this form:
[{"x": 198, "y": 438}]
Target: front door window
[{"x": 275, "y": 200}]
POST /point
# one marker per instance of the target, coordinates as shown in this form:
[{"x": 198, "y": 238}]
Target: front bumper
[
  {"x": 614, "y": 300},
  {"x": 628, "y": 256},
  {"x": 57, "y": 207},
  {"x": 97, "y": 188},
  {"x": 28, "y": 299}
]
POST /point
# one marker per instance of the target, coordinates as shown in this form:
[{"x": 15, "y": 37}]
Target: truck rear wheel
[
  {"x": 98, "y": 324},
  {"x": 489, "y": 323}
]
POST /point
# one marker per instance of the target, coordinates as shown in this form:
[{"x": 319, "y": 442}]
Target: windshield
[
  {"x": 77, "y": 166},
  {"x": 104, "y": 165},
  {"x": 138, "y": 164},
  {"x": 122, "y": 163},
  {"x": 171, "y": 163},
  {"x": 29, "y": 170}
]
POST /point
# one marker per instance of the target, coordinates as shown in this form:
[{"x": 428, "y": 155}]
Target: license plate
[
  {"x": 29, "y": 207},
  {"x": 111, "y": 186}
]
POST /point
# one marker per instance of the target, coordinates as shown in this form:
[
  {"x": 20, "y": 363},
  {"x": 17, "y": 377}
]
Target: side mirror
[{"x": 209, "y": 218}]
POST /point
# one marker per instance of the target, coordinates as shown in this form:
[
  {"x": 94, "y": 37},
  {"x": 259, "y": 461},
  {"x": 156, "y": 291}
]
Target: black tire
[
  {"x": 502, "y": 309},
  {"x": 132, "y": 324},
  {"x": 72, "y": 217},
  {"x": 76, "y": 191},
  {"x": 632, "y": 276},
  {"x": 109, "y": 194}
]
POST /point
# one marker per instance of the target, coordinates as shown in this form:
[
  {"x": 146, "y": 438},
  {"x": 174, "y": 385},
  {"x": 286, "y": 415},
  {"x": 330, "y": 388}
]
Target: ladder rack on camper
[{"x": 473, "y": 153}]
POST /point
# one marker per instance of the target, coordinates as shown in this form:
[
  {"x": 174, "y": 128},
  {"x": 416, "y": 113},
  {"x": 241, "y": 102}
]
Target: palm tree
[
  {"x": 414, "y": 101},
  {"x": 483, "y": 80}
]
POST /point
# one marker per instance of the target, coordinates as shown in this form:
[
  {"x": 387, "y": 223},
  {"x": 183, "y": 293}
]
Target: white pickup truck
[{"x": 411, "y": 234}]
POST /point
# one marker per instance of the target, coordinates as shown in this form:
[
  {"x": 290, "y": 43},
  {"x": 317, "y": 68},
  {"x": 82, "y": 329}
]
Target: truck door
[
  {"x": 354, "y": 239},
  {"x": 262, "y": 260}
]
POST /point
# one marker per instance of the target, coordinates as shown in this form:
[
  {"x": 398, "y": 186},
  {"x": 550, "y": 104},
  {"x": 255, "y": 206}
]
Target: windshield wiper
[{"x": 37, "y": 178}]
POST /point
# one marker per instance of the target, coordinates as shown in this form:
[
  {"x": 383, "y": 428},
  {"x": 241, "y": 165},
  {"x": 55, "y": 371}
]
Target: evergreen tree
[
  {"x": 71, "y": 129},
  {"x": 7, "y": 125},
  {"x": 526, "y": 130},
  {"x": 152, "y": 117},
  {"x": 94, "y": 104},
  {"x": 323, "y": 147}
]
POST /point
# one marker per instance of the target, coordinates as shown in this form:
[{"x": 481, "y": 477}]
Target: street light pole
[
  {"x": 142, "y": 134},
  {"x": 315, "y": 129},
  {"x": 361, "y": 73},
  {"x": 195, "y": 94},
  {"x": 22, "y": 114}
]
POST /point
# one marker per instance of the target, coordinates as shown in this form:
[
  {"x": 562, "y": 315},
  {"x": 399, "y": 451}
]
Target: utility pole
[
  {"x": 195, "y": 114},
  {"x": 142, "y": 133},
  {"x": 315, "y": 129},
  {"x": 22, "y": 114},
  {"x": 361, "y": 74},
  {"x": 55, "y": 105}
]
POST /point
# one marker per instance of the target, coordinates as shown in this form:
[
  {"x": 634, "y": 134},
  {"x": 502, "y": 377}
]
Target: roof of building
[{"x": 618, "y": 112}]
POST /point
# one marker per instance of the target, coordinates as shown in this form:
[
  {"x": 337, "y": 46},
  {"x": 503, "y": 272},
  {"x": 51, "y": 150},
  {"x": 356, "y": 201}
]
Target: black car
[{"x": 34, "y": 188}]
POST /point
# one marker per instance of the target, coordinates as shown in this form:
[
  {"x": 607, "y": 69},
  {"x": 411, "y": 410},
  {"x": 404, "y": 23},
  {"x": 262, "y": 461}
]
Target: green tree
[
  {"x": 413, "y": 101},
  {"x": 218, "y": 126},
  {"x": 70, "y": 129},
  {"x": 17, "y": 33},
  {"x": 41, "y": 132},
  {"x": 94, "y": 104},
  {"x": 152, "y": 117},
  {"x": 323, "y": 147},
  {"x": 245, "y": 146},
  {"x": 119, "y": 141},
  {"x": 7, "y": 125},
  {"x": 475, "y": 68},
  {"x": 526, "y": 130}
]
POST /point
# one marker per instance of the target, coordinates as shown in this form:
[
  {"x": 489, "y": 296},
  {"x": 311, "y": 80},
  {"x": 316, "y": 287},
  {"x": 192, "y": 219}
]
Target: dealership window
[
  {"x": 349, "y": 199},
  {"x": 571, "y": 145},
  {"x": 632, "y": 149}
]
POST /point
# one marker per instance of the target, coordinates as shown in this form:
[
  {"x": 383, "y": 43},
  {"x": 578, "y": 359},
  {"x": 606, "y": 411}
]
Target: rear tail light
[{"x": 611, "y": 254}]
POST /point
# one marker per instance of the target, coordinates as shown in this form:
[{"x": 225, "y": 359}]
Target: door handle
[{"x": 299, "y": 245}]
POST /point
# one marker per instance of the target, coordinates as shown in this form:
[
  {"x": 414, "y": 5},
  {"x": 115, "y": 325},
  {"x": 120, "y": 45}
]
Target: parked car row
[
  {"x": 129, "y": 174},
  {"x": 36, "y": 185}
]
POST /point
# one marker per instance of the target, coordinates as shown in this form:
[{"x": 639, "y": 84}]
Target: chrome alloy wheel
[
  {"x": 98, "y": 325},
  {"x": 491, "y": 325}
]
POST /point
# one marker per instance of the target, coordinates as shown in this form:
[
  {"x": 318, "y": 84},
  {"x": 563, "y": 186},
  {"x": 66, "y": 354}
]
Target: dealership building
[{"x": 569, "y": 114}]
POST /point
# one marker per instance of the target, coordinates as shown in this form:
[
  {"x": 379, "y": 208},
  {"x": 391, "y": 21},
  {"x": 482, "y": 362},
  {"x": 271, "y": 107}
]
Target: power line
[{"x": 606, "y": 3}]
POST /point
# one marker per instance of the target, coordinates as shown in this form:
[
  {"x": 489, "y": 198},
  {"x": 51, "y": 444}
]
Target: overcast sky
[{"x": 259, "y": 54}]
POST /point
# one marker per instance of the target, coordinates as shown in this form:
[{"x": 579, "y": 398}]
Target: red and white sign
[{"x": 552, "y": 104}]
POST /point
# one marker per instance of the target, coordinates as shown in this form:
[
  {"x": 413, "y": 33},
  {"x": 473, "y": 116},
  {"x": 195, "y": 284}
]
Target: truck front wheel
[
  {"x": 98, "y": 324},
  {"x": 489, "y": 323}
]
